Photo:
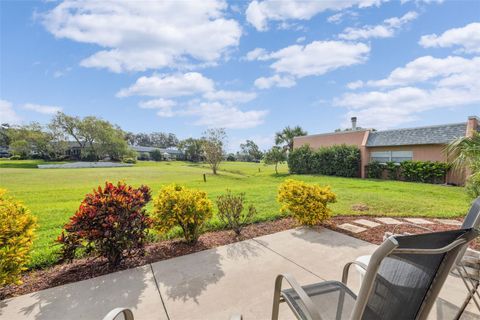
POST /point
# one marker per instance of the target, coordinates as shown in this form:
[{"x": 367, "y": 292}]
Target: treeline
[{"x": 89, "y": 138}]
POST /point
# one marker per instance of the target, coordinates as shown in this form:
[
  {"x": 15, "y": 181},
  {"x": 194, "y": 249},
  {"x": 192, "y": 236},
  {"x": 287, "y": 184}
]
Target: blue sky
[{"x": 251, "y": 67}]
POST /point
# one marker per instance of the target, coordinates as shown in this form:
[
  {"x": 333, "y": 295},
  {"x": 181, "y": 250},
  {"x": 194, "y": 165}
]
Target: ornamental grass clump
[
  {"x": 111, "y": 221},
  {"x": 231, "y": 211},
  {"x": 179, "y": 206},
  {"x": 306, "y": 202},
  {"x": 17, "y": 227}
]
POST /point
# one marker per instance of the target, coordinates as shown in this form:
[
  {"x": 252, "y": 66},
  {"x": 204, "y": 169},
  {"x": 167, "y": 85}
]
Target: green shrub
[
  {"x": 130, "y": 160},
  {"x": 338, "y": 160},
  {"x": 231, "y": 211},
  {"x": 144, "y": 156},
  {"x": 472, "y": 185},
  {"x": 393, "y": 170},
  {"x": 374, "y": 170},
  {"x": 299, "y": 160},
  {"x": 17, "y": 227},
  {"x": 16, "y": 157},
  {"x": 176, "y": 205},
  {"x": 156, "y": 155},
  {"x": 306, "y": 202},
  {"x": 424, "y": 171},
  {"x": 111, "y": 222}
]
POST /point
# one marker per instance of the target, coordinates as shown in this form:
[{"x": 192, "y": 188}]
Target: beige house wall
[{"x": 316, "y": 141}]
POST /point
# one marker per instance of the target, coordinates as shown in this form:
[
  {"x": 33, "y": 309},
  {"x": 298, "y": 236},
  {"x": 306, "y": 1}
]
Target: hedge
[
  {"x": 338, "y": 160},
  {"x": 417, "y": 171}
]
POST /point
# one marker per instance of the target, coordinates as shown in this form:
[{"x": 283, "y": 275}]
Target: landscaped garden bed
[{"x": 86, "y": 268}]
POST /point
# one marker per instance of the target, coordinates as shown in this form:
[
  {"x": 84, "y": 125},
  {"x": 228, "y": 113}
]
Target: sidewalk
[{"x": 213, "y": 284}]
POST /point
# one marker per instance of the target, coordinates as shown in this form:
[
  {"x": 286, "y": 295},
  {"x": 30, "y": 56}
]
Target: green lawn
[{"x": 53, "y": 195}]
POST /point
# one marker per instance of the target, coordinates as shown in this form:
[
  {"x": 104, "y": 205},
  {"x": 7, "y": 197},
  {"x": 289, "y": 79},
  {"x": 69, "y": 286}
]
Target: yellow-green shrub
[
  {"x": 16, "y": 235},
  {"x": 176, "y": 205},
  {"x": 306, "y": 202}
]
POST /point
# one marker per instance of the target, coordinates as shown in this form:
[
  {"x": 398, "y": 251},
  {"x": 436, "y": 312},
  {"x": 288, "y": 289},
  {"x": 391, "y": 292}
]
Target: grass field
[{"x": 53, "y": 195}]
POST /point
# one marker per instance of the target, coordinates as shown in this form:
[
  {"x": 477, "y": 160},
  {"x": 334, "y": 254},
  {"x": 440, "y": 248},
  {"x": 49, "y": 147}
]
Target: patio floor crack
[
  {"x": 288, "y": 259},
  {"x": 159, "y": 293}
]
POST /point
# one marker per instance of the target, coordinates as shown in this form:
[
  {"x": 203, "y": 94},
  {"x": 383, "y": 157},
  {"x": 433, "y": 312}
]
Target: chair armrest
[
  {"x": 309, "y": 305},
  {"x": 347, "y": 266},
  {"x": 127, "y": 313}
]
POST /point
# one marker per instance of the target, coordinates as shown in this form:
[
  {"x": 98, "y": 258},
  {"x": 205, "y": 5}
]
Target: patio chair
[
  {"x": 402, "y": 281},
  {"x": 463, "y": 261}
]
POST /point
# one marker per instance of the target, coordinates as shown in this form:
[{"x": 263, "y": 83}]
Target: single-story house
[
  {"x": 167, "y": 153},
  {"x": 421, "y": 143}
]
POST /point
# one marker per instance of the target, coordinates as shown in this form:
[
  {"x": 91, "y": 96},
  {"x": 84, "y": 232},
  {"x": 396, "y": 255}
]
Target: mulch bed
[{"x": 82, "y": 269}]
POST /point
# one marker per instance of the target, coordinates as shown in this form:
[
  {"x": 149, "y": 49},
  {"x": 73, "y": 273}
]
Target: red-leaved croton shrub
[{"x": 111, "y": 222}]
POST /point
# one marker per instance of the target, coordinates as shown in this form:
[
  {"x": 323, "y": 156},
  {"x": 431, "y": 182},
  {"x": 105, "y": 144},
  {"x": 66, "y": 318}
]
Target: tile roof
[{"x": 440, "y": 134}]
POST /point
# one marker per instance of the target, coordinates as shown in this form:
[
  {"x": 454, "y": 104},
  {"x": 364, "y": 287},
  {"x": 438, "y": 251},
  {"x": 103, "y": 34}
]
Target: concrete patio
[{"x": 215, "y": 283}]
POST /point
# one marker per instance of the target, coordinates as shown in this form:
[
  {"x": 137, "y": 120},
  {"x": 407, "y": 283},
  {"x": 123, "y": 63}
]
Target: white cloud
[
  {"x": 313, "y": 59},
  {"x": 164, "y": 106},
  {"x": 355, "y": 84},
  {"x": 7, "y": 113},
  {"x": 215, "y": 114},
  {"x": 300, "y": 39},
  {"x": 44, "y": 109},
  {"x": 467, "y": 37},
  {"x": 257, "y": 54},
  {"x": 259, "y": 13},
  {"x": 230, "y": 96},
  {"x": 427, "y": 68},
  {"x": 318, "y": 57},
  {"x": 385, "y": 30},
  {"x": 168, "y": 86},
  {"x": 452, "y": 82},
  {"x": 155, "y": 34},
  {"x": 275, "y": 81}
]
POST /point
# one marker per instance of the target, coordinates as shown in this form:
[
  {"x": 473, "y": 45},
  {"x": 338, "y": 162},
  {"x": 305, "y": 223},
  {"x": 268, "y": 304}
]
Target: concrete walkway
[{"x": 213, "y": 284}]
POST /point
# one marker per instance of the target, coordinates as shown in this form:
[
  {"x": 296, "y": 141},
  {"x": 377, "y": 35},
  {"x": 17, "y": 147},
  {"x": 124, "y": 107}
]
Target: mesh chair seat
[{"x": 332, "y": 299}]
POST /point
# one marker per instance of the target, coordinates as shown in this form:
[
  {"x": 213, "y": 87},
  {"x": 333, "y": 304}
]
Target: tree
[
  {"x": 4, "y": 135},
  {"x": 464, "y": 152},
  {"x": 192, "y": 148},
  {"x": 275, "y": 156},
  {"x": 156, "y": 155},
  {"x": 213, "y": 147},
  {"x": 285, "y": 137},
  {"x": 250, "y": 151},
  {"x": 35, "y": 140}
]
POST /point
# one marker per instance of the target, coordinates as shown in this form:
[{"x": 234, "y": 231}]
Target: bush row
[
  {"x": 112, "y": 221},
  {"x": 417, "y": 171},
  {"x": 338, "y": 160}
]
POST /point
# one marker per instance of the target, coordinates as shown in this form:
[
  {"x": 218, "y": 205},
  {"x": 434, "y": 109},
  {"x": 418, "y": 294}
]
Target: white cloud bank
[
  {"x": 43, "y": 109},
  {"x": 424, "y": 84},
  {"x": 152, "y": 35},
  {"x": 313, "y": 59},
  {"x": 7, "y": 113},
  {"x": 467, "y": 38},
  {"x": 259, "y": 13},
  {"x": 385, "y": 30}
]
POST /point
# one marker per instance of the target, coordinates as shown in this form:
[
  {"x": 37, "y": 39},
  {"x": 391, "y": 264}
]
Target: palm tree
[
  {"x": 286, "y": 136},
  {"x": 464, "y": 152}
]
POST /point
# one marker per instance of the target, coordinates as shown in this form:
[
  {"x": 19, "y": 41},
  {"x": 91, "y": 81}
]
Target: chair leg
[{"x": 276, "y": 298}]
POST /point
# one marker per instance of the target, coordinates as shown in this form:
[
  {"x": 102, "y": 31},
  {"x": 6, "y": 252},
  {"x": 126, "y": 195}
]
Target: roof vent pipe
[{"x": 354, "y": 123}]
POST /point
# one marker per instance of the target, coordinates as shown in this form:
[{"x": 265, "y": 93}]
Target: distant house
[
  {"x": 421, "y": 143},
  {"x": 167, "y": 153}
]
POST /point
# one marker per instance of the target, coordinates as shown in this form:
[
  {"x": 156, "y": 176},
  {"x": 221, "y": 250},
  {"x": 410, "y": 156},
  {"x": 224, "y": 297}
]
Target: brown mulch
[{"x": 82, "y": 269}]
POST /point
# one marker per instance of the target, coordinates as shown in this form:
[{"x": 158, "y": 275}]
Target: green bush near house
[{"x": 338, "y": 160}]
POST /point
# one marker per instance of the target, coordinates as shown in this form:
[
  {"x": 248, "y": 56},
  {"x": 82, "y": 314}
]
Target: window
[{"x": 395, "y": 156}]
